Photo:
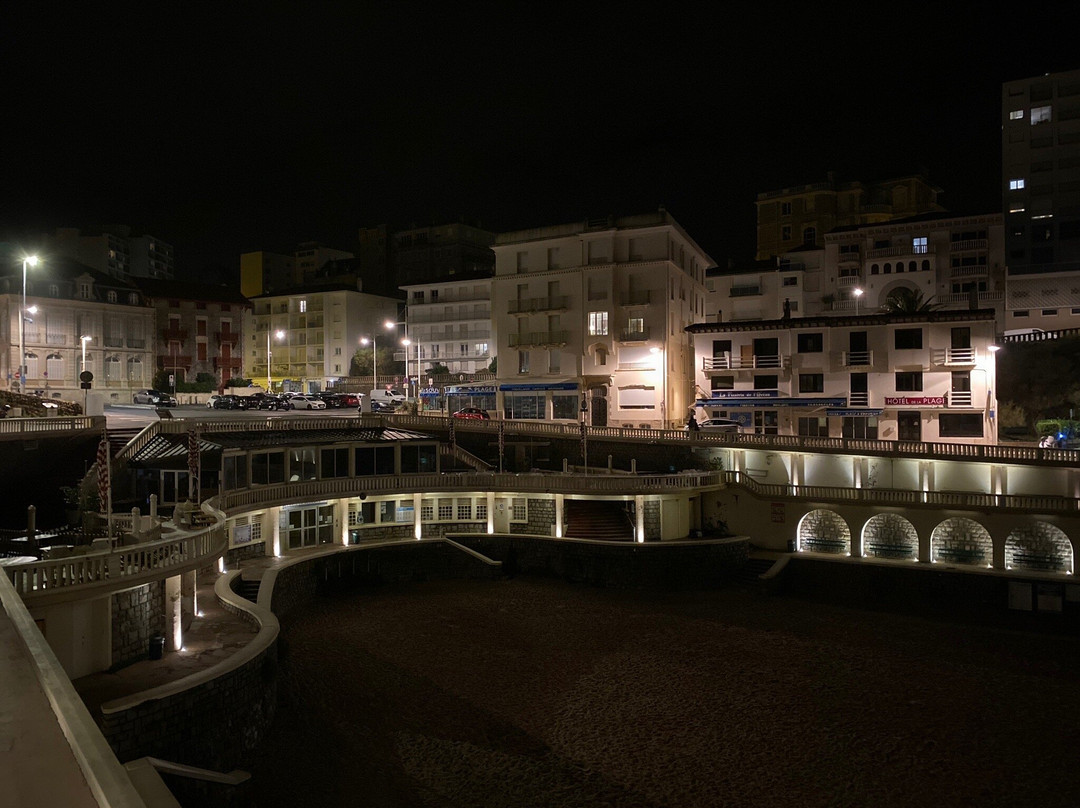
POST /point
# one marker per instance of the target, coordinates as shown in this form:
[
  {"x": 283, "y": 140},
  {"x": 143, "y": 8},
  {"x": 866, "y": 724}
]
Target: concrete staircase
[
  {"x": 750, "y": 574},
  {"x": 249, "y": 590},
  {"x": 119, "y": 438},
  {"x": 603, "y": 521}
]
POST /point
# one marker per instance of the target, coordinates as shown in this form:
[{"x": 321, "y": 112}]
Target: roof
[
  {"x": 791, "y": 323},
  {"x": 190, "y": 291},
  {"x": 172, "y": 448}
]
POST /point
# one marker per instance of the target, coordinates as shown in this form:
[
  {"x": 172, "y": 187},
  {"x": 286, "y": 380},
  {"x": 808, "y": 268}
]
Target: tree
[
  {"x": 906, "y": 300},
  {"x": 437, "y": 369},
  {"x": 1041, "y": 378},
  {"x": 494, "y": 366},
  {"x": 386, "y": 365}
]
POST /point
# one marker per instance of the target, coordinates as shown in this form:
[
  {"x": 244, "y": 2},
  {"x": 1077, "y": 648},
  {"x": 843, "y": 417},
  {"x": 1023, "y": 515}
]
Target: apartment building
[
  {"x": 115, "y": 251},
  {"x": 801, "y": 215},
  {"x": 320, "y": 327},
  {"x": 1040, "y": 185},
  {"x": 451, "y": 323},
  {"x": 66, "y": 302},
  {"x": 263, "y": 272},
  {"x": 915, "y": 377},
  {"x": 593, "y": 314}
]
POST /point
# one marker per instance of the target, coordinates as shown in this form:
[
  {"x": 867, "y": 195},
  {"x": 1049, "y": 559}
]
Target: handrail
[{"x": 60, "y": 423}]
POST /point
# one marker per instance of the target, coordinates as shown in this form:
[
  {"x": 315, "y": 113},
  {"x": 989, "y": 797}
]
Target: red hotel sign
[{"x": 914, "y": 401}]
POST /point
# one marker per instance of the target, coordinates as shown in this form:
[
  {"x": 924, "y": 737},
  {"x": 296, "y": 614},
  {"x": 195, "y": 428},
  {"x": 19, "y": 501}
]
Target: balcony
[
  {"x": 959, "y": 398},
  {"x": 967, "y": 272},
  {"x": 953, "y": 356},
  {"x": 728, "y": 362},
  {"x": 844, "y": 281},
  {"x": 969, "y": 244},
  {"x": 639, "y": 297},
  {"x": 889, "y": 252},
  {"x": 744, "y": 291},
  {"x": 227, "y": 338},
  {"x": 856, "y": 359},
  {"x": 634, "y": 334},
  {"x": 232, "y": 362},
  {"x": 172, "y": 362},
  {"x": 858, "y": 399},
  {"x": 113, "y": 341},
  {"x": 539, "y": 338},
  {"x": 962, "y": 298},
  {"x": 536, "y": 304},
  {"x": 54, "y": 339},
  {"x": 848, "y": 258},
  {"x": 135, "y": 342}
]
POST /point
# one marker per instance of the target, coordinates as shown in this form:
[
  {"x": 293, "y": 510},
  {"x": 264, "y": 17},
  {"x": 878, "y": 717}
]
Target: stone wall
[
  {"x": 541, "y": 519},
  {"x": 243, "y": 552},
  {"x": 137, "y": 615},
  {"x": 667, "y": 565},
  {"x": 653, "y": 531}
]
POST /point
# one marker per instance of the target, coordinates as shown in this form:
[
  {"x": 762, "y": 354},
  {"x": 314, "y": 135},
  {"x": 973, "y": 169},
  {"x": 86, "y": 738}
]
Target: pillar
[
  {"x": 559, "y": 500},
  {"x": 341, "y": 521},
  {"x": 153, "y": 506},
  {"x": 639, "y": 513},
  {"x": 174, "y": 629},
  {"x": 417, "y": 503},
  {"x": 856, "y": 472},
  {"x": 272, "y": 544},
  {"x": 189, "y": 604},
  {"x": 999, "y": 479},
  {"x": 491, "y": 512}
]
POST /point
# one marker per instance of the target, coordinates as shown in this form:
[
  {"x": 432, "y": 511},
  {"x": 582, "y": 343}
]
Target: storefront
[
  {"x": 557, "y": 401},
  {"x": 470, "y": 395},
  {"x": 431, "y": 399},
  {"x": 765, "y": 412}
]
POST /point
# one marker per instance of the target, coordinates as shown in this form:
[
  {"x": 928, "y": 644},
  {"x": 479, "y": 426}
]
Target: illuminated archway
[
  {"x": 889, "y": 535},
  {"x": 962, "y": 541},
  {"x": 1040, "y": 547},
  {"x": 824, "y": 532}
]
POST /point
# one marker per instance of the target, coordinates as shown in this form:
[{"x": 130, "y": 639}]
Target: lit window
[
  {"x": 1016, "y": 114},
  {"x": 1016, "y": 185},
  {"x": 1040, "y": 115},
  {"x": 598, "y": 323},
  {"x": 303, "y": 306},
  {"x": 523, "y": 361},
  {"x": 919, "y": 245}
]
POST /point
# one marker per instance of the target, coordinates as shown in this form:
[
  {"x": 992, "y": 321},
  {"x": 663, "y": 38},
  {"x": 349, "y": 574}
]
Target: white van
[{"x": 383, "y": 401}]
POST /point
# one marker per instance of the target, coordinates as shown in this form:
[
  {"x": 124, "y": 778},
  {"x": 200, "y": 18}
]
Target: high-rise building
[
  {"x": 1040, "y": 160},
  {"x": 802, "y": 215},
  {"x": 114, "y": 251}
]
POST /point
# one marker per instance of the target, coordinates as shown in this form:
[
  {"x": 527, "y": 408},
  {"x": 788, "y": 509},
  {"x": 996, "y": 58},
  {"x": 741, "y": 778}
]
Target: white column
[
  {"x": 341, "y": 521},
  {"x": 559, "y": 500},
  {"x": 188, "y": 595},
  {"x": 272, "y": 544},
  {"x": 856, "y": 472},
  {"x": 491, "y": 512},
  {"x": 174, "y": 630},
  {"x": 639, "y": 512},
  {"x": 417, "y": 501}
]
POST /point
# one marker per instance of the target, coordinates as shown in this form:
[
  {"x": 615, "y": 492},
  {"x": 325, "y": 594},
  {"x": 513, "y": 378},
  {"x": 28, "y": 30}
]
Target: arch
[
  {"x": 112, "y": 368},
  {"x": 889, "y": 535},
  {"x": 824, "y": 531},
  {"x": 888, "y": 269},
  {"x": 962, "y": 541},
  {"x": 30, "y": 359},
  {"x": 134, "y": 369},
  {"x": 874, "y": 269},
  {"x": 926, "y": 265},
  {"x": 1039, "y": 546},
  {"x": 912, "y": 266},
  {"x": 54, "y": 366}
]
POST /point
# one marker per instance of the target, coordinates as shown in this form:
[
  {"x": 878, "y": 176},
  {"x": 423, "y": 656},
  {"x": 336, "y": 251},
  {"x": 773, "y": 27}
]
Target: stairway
[
  {"x": 249, "y": 590},
  {"x": 603, "y": 521},
  {"x": 119, "y": 438},
  {"x": 749, "y": 574}
]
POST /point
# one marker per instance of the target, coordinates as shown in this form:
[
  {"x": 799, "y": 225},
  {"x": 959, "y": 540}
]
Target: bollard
[
  {"x": 31, "y": 525},
  {"x": 153, "y": 506}
]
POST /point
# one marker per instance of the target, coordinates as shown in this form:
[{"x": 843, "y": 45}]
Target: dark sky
[{"x": 248, "y": 128}]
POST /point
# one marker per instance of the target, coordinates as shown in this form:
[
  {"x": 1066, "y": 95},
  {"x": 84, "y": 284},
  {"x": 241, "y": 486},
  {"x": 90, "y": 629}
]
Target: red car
[
  {"x": 349, "y": 400},
  {"x": 473, "y": 413}
]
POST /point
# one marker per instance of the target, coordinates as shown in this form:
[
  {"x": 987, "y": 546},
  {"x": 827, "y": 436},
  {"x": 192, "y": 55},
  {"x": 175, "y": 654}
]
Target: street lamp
[
  {"x": 374, "y": 357},
  {"x": 858, "y": 293},
  {"x": 84, "y": 340},
  {"x": 31, "y": 261},
  {"x": 279, "y": 334},
  {"x": 407, "y": 342}
]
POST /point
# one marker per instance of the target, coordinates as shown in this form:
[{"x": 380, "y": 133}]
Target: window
[
  {"x": 907, "y": 339},
  {"x": 919, "y": 245},
  {"x": 785, "y": 208},
  {"x": 1040, "y": 115},
  {"x": 564, "y": 406},
  {"x": 268, "y": 468},
  {"x": 810, "y": 343},
  {"x": 960, "y": 425},
  {"x": 765, "y": 382},
  {"x": 811, "y": 382},
  {"x": 1016, "y": 184},
  {"x": 522, "y": 261},
  {"x": 863, "y": 428},
  {"x": 722, "y": 383},
  {"x": 598, "y": 323},
  {"x": 908, "y": 381},
  {"x": 1049, "y": 312},
  {"x": 464, "y": 510},
  {"x": 1020, "y": 313},
  {"x": 519, "y": 509},
  {"x": 1016, "y": 114},
  {"x": 418, "y": 458},
  {"x": 809, "y": 235},
  {"x": 785, "y": 232},
  {"x": 792, "y": 281},
  {"x": 111, "y": 297},
  {"x": 335, "y": 463},
  {"x": 303, "y": 306},
  {"x": 374, "y": 460},
  {"x": 554, "y": 360},
  {"x": 814, "y": 427},
  {"x": 523, "y": 361}
]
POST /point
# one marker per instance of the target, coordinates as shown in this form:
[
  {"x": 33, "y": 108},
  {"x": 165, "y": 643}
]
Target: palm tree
[{"x": 906, "y": 300}]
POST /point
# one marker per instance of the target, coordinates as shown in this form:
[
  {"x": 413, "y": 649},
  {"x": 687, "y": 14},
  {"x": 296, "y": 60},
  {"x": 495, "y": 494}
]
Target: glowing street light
[
  {"x": 374, "y": 357},
  {"x": 31, "y": 261},
  {"x": 279, "y": 334},
  {"x": 858, "y": 293}
]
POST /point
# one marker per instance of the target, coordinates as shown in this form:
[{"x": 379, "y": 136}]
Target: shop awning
[
  {"x": 755, "y": 401},
  {"x": 471, "y": 390},
  {"x": 534, "y": 386},
  {"x": 855, "y": 412}
]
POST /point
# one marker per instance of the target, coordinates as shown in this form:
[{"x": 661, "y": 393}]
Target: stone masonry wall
[
  {"x": 243, "y": 552},
  {"x": 137, "y": 615},
  {"x": 541, "y": 518},
  {"x": 652, "y": 521}
]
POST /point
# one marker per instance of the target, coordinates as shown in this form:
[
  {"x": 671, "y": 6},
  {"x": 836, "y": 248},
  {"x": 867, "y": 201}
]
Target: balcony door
[{"x": 909, "y": 425}]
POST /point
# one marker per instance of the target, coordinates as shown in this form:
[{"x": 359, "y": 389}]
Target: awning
[
  {"x": 855, "y": 412},
  {"x": 514, "y": 388},
  {"x": 471, "y": 390},
  {"x": 754, "y": 401}
]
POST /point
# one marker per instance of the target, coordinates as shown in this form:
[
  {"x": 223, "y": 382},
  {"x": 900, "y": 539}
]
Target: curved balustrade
[{"x": 10, "y": 427}]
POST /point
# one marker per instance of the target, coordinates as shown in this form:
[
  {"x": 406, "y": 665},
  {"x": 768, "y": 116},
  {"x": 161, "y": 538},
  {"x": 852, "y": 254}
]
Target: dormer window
[
  {"x": 112, "y": 297},
  {"x": 84, "y": 290}
]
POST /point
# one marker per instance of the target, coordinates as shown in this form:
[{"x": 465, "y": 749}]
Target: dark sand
[{"x": 538, "y": 693}]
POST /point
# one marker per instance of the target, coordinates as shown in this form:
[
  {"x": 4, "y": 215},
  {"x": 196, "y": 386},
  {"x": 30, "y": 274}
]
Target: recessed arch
[
  {"x": 962, "y": 541},
  {"x": 889, "y": 535},
  {"x": 824, "y": 531},
  {"x": 1039, "y": 546}
]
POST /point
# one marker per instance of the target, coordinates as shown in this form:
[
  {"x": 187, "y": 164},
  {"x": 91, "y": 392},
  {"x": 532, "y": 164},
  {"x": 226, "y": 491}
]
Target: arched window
[
  {"x": 54, "y": 366},
  {"x": 112, "y": 297},
  {"x": 32, "y": 369},
  {"x": 899, "y": 266},
  {"x": 888, "y": 269},
  {"x": 113, "y": 368},
  {"x": 134, "y": 369},
  {"x": 874, "y": 269},
  {"x": 926, "y": 265},
  {"x": 912, "y": 266},
  {"x": 133, "y": 299},
  {"x": 54, "y": 290}
]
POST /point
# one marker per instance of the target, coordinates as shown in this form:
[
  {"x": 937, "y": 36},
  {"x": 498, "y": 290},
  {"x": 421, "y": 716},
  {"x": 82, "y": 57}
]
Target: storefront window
[
  {"x": 268, "y": 468},
  {"x": 564, "y": 406},
  {"x": 861, "y": 427},
  {"x": 524, "y": 405}
]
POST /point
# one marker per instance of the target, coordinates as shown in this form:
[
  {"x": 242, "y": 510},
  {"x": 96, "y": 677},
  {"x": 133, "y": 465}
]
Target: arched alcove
[
  {"x": 824, "y": 531},
  {"x": 1039, "y": 547},
  {"x": 962, "y": 541},
  {"x": 889, "y": 535}
]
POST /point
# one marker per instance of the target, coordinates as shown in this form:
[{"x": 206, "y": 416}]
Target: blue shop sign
[
  {"x": 515, "y": 388},
  {"x": 754, "y": 401},
  {"x": 476, "y": 390}
]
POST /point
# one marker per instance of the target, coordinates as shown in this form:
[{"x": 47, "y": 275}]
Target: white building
[
  {"x": 451, "y": 322},
  {"x": 595, "y": 311},
  {"x": 915, "y": 377},
  {"x": 955, "y": 262},
  {"x": 321, "y": 330}
]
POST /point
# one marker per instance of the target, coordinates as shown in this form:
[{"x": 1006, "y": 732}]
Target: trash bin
[
  {"x": 157, "y": 646},
  {"x": 791, "y": 545}
]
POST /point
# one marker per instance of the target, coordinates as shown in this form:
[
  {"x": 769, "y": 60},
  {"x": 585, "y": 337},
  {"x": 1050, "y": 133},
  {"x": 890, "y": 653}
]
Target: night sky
[{"x": 253, "y": 129}]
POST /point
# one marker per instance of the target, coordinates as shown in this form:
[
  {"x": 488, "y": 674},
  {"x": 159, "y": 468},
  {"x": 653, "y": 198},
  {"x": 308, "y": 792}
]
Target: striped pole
[{"x": 104, "y": 488}]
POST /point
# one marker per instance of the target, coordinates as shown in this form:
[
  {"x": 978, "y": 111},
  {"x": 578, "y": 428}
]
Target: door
[
  {"x": 766, "y": 353},
  {"x": 766, "y": 422},
  {"x": 859, "y": 395},
  {"x": 858, "y": 350},
  {"x": 909, "y": 425},
  {"x": 598, "y": 406}
]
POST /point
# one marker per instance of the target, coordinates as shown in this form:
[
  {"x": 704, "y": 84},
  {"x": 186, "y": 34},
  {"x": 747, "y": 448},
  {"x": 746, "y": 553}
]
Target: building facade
[
  {"x": 801, "y": 215},
  {"x": 592, "y": 314},
  {"x": 114, "y": 251},
  {"x": 321, "y": 328},
  {"x": 912, "y": 378},
  {"x": 1040, "y": 158},
  {"x": 451, "y": 323}
]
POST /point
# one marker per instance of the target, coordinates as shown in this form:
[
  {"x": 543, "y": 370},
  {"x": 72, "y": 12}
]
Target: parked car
[
  {"x": 376, "y": 406},
  {"x": 716, "y": 425},
  {"x": 350, "y": 399},
  {"x": 210, "y": 401},
  {"x": 331, "y": 400},
  {"x": 225, "y": 402},
  {"x": 472, "y": 413},
  {"x": 306, "y": 403},
  {"x": 268, "y": 401},
  {"x": 155, "y": 397}
]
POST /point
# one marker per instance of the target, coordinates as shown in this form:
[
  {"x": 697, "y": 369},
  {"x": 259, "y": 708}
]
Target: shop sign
[{"x": 914, "y": 401}]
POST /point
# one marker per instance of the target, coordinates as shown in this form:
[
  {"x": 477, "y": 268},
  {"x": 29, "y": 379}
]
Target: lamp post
[
  {"x": 28, "y": 261},
  {"x": 858, "y": 293},
  {"x": 407, "y": 342},
  {"x": 279, "y": 334},
  {"x": 84, "y": 339},
  {"x": 374, "y": 359}
]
